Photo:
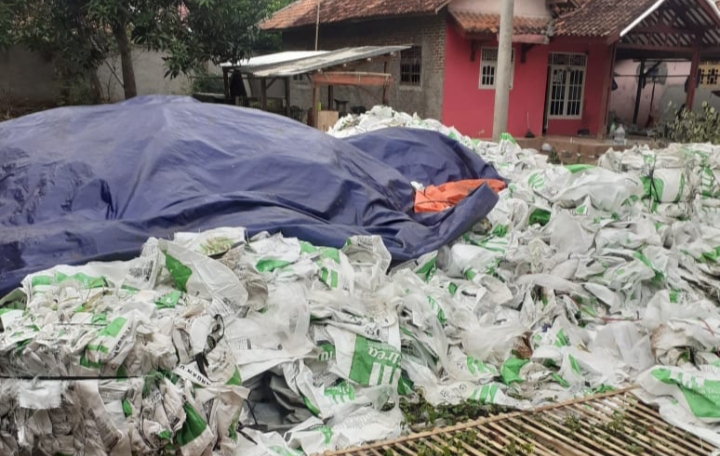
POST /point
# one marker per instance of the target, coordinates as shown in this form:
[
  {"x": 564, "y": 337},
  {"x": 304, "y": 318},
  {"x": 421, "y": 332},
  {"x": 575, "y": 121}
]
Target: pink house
[{"x": 564, "y": 54}]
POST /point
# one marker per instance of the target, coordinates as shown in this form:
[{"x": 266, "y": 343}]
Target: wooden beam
[
  {"x": 263, "y": 94},
  {"x": 331, "y": 97},
  {"x": 226, "y": 83},
  {"x": 638, "y": 92},
  {"x": 607, "y": 90},
  {"x": 682, "y": 14},
  {"x": 386, "y": 88},
  {"x": 352, "y": 79},
  {"x": 315, "y": 104},
  {"x": 650, "y": 47},
  {"x": 710, "y": 13},
  {"x": 287, "y": 96},
  {"x": 692, "y": 82},
  {"x": 664, "y": 30}
]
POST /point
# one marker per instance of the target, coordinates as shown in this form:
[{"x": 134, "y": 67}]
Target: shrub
[
  {"x": 204, "y": 82},
  {"x": 694, "y": 127}
]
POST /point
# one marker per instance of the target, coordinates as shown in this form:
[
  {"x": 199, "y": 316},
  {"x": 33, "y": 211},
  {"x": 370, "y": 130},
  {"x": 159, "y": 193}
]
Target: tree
[
  {"x": 270, "y": 41},
  {"x": 59, "y": 30},
  {"x": 190, "y": 31}
]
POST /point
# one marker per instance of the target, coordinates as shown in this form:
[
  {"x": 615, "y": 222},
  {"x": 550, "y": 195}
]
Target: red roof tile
[
  {"x": 304, "y": 12},
  {"x": 601, "y": 18},
  {"x": 490, "y": 23}
]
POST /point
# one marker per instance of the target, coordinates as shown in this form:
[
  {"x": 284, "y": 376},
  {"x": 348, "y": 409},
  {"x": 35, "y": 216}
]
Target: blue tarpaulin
[{"x": 93, "y": 183}]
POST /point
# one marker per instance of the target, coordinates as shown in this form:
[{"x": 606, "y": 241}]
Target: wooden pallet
[{"x": 614, "y": 423}]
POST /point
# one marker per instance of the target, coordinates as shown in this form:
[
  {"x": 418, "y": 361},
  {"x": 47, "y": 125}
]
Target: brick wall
[{"x": 427, "y": 32}]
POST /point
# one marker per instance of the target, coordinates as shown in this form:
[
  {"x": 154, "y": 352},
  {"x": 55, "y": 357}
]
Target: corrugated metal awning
[
  {"x": 262, "y": 61},
  {"x": 615, "y": 423},
  {"x": 318, "y": 62}
]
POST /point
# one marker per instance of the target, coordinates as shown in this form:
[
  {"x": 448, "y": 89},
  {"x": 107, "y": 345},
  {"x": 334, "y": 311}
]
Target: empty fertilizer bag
[{"x": 242, "y": 340}]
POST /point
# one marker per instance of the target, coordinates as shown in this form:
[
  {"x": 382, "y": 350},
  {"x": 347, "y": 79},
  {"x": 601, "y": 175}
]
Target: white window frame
[
  {"x": 566, "y": 96},
  {"x": 487, "y": 62}
]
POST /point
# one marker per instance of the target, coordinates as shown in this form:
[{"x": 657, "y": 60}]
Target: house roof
[
  {"x": 472, "y": 22},
  {"x": 574, "y": 18},
  {"x": 304, "y": 12},
  {"x": 601, "y": 18},
  {"x": 618, "y": 19}
]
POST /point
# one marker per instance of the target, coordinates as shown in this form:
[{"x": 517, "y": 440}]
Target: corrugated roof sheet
[
  {"x": 272, "y": 59},
  {"x": 319, "y": 62},
  {"x": 490, "y": 23},
  {"x": 304, "y": 12}
]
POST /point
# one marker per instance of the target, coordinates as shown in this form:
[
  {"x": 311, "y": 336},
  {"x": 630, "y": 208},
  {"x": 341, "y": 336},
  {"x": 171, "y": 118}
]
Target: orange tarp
[{"x": 441, "y": 197}]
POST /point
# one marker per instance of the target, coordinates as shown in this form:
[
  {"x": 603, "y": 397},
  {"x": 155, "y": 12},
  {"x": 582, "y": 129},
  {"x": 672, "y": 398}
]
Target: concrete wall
[
  {"x": 427, "y": 32},
  {"x": 622, "y": 102},
  {"x": 149, "y": 76},
  {"x": 26, "y": 76}
]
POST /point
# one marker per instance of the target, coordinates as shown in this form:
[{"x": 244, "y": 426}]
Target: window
[
  {"x": 410, "y": 66},
  {"x": 488, "y": 68},
  {"x": 709, "y": 76},
  {"x": 567, "y": 85}
]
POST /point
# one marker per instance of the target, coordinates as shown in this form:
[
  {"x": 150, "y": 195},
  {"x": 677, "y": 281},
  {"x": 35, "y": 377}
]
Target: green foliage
[
  {"x": 203, "y": 82},
  {"x": 554, "y": 158},
  {"x": 7, "y": 37},
  {"x": 76, "y": 91},
  {"x": 59, "y": 30},
  {"x": 272, "y": 41},
  {"x": 691, "y": 127},
  {"x": 79, "y": 34},
  {"x": 201, "y": 31},
  {"x": 421, "y": 412}
]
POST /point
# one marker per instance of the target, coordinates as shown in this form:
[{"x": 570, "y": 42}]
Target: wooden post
[
  {"x": 226, "y": 84},
  {"x": 692, "y": 82},
  {"x": 315, "y": 103},
  {"x": 263, "y": 94},
  {"x": 386, "y": 87},
  {"x": 504, "y": 69},
  {"x": 607, "y": 91},
  {"x": 287, "y": 97},
  {"x": 638, "y": 93},
  {"x": 317, "y": 25},
  {"x": 331, "y": 97}
]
